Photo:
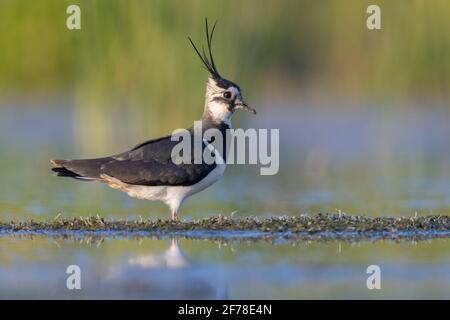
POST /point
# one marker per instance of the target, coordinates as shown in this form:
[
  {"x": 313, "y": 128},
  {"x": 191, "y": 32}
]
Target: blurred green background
[
  {"x": 134, "y": 57},
  {"x": 364, "y": 115}
]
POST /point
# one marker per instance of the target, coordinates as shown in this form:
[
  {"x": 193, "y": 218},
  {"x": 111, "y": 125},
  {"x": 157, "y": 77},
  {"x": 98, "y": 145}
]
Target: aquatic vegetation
[{"x": 321, "y": 226}]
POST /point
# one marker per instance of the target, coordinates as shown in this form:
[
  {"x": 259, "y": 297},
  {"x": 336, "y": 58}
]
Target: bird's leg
[{"x": 174, "y": 206}]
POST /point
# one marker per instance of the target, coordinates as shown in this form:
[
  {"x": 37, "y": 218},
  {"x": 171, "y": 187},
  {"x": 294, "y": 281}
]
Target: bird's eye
[{"x": 227, "y": 95}]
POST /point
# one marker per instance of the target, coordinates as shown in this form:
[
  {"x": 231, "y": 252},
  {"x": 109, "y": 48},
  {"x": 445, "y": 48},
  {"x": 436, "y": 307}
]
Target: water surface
[
  {"x": 347, "y": 161},
  {"x": 194, "y": 269}
]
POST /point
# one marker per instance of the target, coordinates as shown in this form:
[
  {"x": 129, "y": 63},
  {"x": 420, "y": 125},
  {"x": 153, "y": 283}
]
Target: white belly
[{"x": 173, "y": 196}]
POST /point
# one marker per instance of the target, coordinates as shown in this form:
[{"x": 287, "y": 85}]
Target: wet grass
[{"x": 319, "y": 226}]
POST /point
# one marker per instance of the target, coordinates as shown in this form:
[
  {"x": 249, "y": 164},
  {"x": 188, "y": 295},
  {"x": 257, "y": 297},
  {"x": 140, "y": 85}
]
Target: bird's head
[{"x": 223, "y": 97}]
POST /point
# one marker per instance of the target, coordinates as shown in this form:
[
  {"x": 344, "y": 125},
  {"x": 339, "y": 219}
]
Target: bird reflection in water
[
  {"x": 172, "y": 258},
  {"x": 167, "y": 275}
]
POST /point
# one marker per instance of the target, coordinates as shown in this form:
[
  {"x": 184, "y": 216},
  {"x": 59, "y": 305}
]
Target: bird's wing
[{"x": 150, "y": 163}]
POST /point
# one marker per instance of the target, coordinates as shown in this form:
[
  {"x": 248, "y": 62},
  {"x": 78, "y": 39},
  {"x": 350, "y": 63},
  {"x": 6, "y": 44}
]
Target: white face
[{"x": 219, "y": 101}]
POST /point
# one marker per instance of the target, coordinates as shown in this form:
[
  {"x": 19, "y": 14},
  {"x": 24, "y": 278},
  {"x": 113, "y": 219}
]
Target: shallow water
[
  {"x": 194, "y": 269},
  {"x": 356, "y": 162}
]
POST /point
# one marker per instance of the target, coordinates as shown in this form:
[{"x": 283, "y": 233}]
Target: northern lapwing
[{"x": 147, "y": 171}]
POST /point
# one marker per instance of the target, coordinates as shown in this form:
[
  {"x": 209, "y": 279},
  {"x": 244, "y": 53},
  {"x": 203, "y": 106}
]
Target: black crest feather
[{"x": 208, "y": 62}]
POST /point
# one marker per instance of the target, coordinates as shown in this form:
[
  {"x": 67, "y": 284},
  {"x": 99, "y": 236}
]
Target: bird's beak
[{"x": 240, "y": 104}]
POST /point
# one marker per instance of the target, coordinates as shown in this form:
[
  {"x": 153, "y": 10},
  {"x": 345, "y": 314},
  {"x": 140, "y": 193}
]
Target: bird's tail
[
  {"x": 63, "y": 172},
  {"x": 88, "y": 169}
]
